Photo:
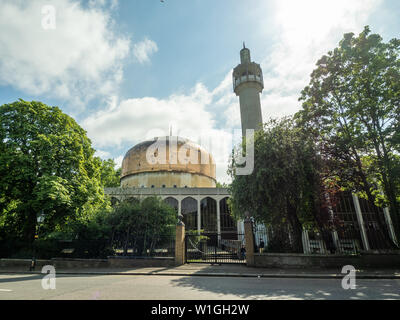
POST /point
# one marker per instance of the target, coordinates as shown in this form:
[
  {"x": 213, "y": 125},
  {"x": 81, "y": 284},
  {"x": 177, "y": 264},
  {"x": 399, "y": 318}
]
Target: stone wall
[
  {"x": 24, "y": 264},
  {"x": 111, "y": 262},
  {"x": 364, "y": 260},
  {"x": 141, "y": 262}
]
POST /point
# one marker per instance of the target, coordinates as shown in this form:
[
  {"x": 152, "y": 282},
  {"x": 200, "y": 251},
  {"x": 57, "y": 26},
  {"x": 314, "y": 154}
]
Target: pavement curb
[{"x": 204, "y": 274}]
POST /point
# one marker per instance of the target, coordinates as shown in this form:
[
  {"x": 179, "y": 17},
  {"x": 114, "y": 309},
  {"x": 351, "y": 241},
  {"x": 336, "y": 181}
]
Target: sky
[{"x": 129, "y": 70}]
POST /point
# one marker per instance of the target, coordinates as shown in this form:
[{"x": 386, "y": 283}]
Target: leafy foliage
[
  {"x": 110, "y": 178},
  {"x": 47, "y": 166},
  {"x": 287, "y": 185},
  {"x": 352, "y": 107},
  {"x": 222, "y": 185},
  {"x": 146, "y": 221}
]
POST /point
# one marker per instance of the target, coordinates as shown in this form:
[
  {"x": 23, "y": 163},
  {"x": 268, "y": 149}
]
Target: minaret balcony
[
  {"x": 248, "y": 78},
  {"x": 247, "y": 72}
]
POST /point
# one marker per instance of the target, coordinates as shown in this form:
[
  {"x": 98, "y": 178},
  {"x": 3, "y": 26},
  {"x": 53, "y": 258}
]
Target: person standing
[{"x": 262, "y": 245}]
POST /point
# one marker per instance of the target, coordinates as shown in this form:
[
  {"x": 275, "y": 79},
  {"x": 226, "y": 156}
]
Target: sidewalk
[{"x": 197, "y": 270}]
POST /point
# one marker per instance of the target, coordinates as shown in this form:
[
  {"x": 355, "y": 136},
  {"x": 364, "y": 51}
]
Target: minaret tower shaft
[{"x": 248, "y": 83}]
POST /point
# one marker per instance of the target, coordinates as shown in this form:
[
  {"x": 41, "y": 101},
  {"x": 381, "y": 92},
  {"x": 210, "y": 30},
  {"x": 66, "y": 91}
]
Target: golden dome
[{"x": 168, "y": 162}]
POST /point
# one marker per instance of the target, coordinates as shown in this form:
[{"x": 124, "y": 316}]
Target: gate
[{"x": 215, "y": 248}]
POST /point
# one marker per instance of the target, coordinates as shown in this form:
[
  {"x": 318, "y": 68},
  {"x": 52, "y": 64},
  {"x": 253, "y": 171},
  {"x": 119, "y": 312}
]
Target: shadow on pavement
[{"x": 284, "y": 288}]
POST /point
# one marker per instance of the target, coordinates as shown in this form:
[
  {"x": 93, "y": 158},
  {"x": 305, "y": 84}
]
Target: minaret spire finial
[{"x": 248, "y": 83}]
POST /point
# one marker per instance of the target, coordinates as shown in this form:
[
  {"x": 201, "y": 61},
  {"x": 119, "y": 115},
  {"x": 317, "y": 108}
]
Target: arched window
[
  {"x": 189, "y": 212},
  {"x": 172, "y": 202},
  {"x": 228, "y": 225},
  {"x": 208, "y": 214}
]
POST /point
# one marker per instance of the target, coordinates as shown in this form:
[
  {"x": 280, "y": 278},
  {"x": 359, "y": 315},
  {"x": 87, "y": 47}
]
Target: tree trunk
[
  {"x": 126, "y": 243},
  {"x": 296, "y": 228}
]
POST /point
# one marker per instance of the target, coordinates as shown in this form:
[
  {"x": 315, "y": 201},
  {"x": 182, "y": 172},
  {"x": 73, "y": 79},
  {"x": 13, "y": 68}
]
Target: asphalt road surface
[{"x": 128, "y": 287}]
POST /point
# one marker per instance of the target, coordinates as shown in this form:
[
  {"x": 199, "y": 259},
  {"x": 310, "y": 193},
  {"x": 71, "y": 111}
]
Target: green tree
[
  {"x": 286, "y": 187},
  {"x": 146, "y": 222},
  {"x": 222, "y": 185},
  {"x": 110, "y": 178},
  {"x": 46, "y": 167},
  {"x": 352, "y": 106}
]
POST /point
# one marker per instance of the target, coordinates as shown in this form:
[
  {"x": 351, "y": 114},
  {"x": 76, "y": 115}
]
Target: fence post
[
  {"x": 198, "y": 215},
  {"x": 218, "y": 223},
  {"x": 389, "y": 224},
  {"x": 360, "y": 220},
  {"x": 306, "y": 242},
  {"x": 180, "y": 244},
  {"x": 336, "y": 241},
  {"x": 249, "y": 240}
]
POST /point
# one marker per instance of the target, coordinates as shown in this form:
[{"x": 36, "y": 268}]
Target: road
[{"x": 129, "y": 287}]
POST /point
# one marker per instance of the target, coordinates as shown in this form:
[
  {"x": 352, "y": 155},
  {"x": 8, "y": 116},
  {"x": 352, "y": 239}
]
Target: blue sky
[{"x": 127, "y": 70}]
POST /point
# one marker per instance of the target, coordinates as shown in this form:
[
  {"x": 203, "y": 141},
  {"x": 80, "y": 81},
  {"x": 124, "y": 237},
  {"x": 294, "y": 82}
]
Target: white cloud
[
  {"x": 102, "y": 154},
  {"x": 118, "y": 162},
  {"x": 144, "y": 49},
  {"x": 80, "y": 59},
  {"x": 112, "y": 4},
  {"x": 305, "y": 30},
  {"x": 134, "y": 119},
  {"x": 131, "y": 121}
]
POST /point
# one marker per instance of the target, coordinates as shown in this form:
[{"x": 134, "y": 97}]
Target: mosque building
[{"x": 183, "y": 173}]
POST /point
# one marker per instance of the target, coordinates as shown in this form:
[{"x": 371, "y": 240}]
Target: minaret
[{"x": 248, "y": 83}]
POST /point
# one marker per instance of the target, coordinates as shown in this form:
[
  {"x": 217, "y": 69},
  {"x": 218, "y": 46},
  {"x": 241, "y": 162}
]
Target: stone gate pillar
[{"x": 180, "y": 244}]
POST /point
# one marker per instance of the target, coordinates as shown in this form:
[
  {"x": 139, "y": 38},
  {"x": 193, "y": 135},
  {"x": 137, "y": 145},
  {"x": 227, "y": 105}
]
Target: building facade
[
  {"x": 183, "y": 173},
  {"x": 201, "y": 208},
  {"x": 168, "y": 162}
]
